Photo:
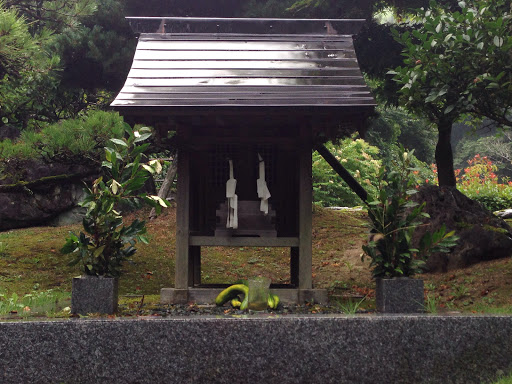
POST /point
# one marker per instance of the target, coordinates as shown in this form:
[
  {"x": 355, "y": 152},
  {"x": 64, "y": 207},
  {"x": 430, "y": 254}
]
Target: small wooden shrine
[{"x": 248, "y": 99}]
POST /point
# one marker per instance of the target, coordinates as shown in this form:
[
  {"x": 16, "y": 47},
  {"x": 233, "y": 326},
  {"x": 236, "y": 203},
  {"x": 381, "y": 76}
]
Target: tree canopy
[
  {"x": 60, "y": 57},
  {"x": 457, "y": 63},
  {"x": 28, "y": 70}
]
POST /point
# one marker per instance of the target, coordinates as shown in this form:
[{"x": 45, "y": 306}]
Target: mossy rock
[{"x": 482, "y": 235}]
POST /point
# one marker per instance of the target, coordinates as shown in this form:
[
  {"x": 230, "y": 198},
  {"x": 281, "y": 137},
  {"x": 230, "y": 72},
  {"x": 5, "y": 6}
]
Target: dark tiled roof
[{"x": 266, "y": 66}]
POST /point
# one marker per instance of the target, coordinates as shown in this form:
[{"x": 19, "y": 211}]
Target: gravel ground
[{"x": 226, "y": 310}]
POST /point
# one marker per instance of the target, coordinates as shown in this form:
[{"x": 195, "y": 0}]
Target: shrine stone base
[{"x": 208, "y": 295}]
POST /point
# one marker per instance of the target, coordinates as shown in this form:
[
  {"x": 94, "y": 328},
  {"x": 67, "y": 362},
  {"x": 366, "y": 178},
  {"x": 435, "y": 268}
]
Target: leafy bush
[
  {"x": 479, "y": 182},
  {"x": 394, "y": 218},
  {"x": 107, "y": 242},
  {"x": 359, "y": 158}
]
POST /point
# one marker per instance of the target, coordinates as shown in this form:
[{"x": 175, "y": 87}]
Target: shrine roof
[{"x": 185, "y": 65}]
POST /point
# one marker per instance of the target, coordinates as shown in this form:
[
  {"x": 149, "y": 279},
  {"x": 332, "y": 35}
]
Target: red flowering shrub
[{"x": 479, "y": 182}]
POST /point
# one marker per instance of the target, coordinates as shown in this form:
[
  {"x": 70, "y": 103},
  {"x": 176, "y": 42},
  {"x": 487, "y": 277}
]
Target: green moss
[
  {"x": 495, "y": 229},
  {"x": 27, "y": 184},
  {"x": 461, "y": 225}
]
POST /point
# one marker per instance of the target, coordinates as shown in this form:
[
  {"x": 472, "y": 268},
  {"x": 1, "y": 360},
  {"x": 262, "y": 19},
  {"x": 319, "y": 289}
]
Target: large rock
[
  {"x": 44, "y": 192},
  {"x": 483, "y": 236},
  {"x": 34, "y": 193},
  {"x": 9, "y": 132},
  {"x": 37, "y": 206}
]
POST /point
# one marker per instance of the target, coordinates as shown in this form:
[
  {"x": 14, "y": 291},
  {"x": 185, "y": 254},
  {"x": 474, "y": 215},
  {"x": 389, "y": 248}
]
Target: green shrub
[
  {"x": 479, "y": 181},
  {"x": 106, "y": 241},
  {"x": 18, "y": 150},
  {"x": 394, "y": 218},
  {"x": 493, "y": 199}
]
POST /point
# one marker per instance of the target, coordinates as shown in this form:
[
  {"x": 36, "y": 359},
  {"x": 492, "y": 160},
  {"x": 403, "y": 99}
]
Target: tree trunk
[
  {"x": 166, "y": 185},
  {"x": 444, "y": 154}
]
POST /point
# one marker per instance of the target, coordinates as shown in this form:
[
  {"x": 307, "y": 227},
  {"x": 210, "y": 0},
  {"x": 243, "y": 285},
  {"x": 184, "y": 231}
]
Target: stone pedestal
[
  {"x": 400, "y": 295},
  {"x": 94, "y": 294}
]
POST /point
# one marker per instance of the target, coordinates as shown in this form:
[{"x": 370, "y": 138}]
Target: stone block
[
  {"x": 400, "y": 295},
  {"x": 258, "y": 348},
  {"x": 175, "y": 296},
  {"x": 94, "y": 294},
  {"x": 318, "y": 296}
]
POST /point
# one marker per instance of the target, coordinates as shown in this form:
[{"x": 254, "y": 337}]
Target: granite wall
[{"x": 316, "y": 349}]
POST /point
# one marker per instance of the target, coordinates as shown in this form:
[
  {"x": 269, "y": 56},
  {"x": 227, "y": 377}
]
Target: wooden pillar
[
  {"x": 194, "y": 266},
  {"x": 305, "y": 209},
  {"x": 181, "y": 280},
  {"x": 294, "y": 266}
]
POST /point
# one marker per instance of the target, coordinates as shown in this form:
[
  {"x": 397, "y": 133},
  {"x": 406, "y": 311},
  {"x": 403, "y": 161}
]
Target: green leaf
[
  {"x": 142, "y": 137},
  {"x": 449, "y": 109},
  {"x": 106, "y": 164},
  {"x": 70, "y": 246},
  {"x": 115, "y": 187},
  {"x": 156, "y": 166},
  {"x": 98, "y": 251},
  {"x": 119, "y": 142},
  {"x": 430, "y": 98},
  {"x": 108, "y": 154},
  {"x": 498, "y": 41}
]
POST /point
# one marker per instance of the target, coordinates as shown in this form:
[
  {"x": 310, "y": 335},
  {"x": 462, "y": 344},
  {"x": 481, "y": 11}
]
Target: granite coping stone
[{"x": 258, "y": 349}]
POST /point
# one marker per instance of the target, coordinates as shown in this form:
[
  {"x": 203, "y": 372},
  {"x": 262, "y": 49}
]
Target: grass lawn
[{"x": 31, "y": 262}]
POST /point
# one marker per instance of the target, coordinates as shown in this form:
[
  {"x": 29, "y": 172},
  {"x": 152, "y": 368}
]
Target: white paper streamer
[
  {"x": 232, "y": 199},
  {"x": 261, "y": 185}
]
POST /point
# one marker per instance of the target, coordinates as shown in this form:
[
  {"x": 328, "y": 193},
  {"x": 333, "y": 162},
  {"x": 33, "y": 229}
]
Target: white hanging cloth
[
  {"x": 232, "y": 199},
  {"x": 261, "y": 184}
]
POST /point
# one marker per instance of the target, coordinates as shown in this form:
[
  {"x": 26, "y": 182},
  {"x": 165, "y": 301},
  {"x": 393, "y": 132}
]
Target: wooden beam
[
  {"x": 344, "y": 174},
  {"x": 182, "y": 218},
  {"x": 244, "y": 241}
]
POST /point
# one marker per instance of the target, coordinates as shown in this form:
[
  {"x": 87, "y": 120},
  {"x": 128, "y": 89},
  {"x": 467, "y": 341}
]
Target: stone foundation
[
  {"x": 208, "y": 295},
  {"x": 259, "y": 349}
]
